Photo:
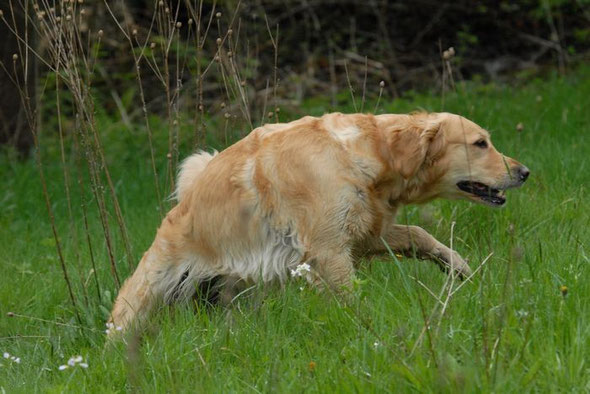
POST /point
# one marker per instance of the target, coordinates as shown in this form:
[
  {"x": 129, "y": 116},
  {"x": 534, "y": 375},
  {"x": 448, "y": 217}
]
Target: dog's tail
[{"x": 190, "y": 168}]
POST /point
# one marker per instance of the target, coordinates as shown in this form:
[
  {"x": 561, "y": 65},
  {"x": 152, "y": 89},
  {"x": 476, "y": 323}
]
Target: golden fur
[{"x": 315, "y": 190}]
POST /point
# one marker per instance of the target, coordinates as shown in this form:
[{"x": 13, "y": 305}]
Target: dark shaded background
[{"x": 321, "y": 41}]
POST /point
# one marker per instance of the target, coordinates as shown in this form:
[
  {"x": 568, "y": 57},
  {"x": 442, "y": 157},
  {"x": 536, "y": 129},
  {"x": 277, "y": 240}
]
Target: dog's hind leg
[{"x": 160, "y": 277}]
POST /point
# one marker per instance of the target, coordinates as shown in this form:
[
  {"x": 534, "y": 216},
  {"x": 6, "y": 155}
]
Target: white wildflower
[
  {"x": 14, "y": 359},
  {"x": 72, "y": 362},
  {"x": 111, "y": 327},
  {"x": 376, "y": 344},
  {"x": 300, "y": 270}
]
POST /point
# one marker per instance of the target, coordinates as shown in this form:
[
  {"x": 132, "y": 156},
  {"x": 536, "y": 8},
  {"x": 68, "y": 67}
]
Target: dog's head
[{"x": 449, "y": 156}]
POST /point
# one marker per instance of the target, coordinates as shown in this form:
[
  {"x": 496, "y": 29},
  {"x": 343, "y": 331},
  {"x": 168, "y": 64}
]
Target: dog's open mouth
[{"x": 483, "y": 192}]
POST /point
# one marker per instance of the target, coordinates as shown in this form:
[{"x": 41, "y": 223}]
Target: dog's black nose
[{"x": 523, "y": 173}]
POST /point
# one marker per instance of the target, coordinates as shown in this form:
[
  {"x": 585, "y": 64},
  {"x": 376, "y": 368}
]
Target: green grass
[{"x": 511, "y": 329}]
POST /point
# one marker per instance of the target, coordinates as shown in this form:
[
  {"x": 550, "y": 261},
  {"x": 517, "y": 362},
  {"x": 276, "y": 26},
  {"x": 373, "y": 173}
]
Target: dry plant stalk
[
  {"x": 30, "y": 114},
  {"x": 71, "y": 55}
]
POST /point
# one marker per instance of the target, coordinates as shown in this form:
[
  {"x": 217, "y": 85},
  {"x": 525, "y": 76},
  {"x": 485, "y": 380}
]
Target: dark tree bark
[{"x": 14, "y": 127}]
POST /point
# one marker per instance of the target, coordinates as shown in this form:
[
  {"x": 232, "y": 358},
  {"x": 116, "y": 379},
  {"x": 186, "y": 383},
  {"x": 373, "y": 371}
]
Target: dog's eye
[{"x": 481, "y": 143}]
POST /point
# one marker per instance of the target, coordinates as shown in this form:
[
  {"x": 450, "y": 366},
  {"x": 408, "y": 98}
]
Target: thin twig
[{"x": 350, "y": 87}]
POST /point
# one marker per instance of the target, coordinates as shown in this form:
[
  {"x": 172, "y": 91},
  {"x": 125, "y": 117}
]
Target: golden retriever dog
[{"x": 319, "y": 191}]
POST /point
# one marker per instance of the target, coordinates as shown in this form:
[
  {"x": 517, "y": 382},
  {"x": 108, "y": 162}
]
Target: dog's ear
[
  {"x": 435, "y": 140},
  {"x": 415, "y": 146}
]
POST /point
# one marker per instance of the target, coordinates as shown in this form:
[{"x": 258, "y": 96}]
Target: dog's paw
[{"x": 452, "y": 260}]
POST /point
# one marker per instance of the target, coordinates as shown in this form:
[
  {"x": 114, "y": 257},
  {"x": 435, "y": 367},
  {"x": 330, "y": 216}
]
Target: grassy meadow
[{"x": 521, "y": 323}]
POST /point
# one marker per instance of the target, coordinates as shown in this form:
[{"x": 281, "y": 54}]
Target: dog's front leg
[
  {"x": 332, "y": 269},
  {"x": 415, "y": 241}
]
